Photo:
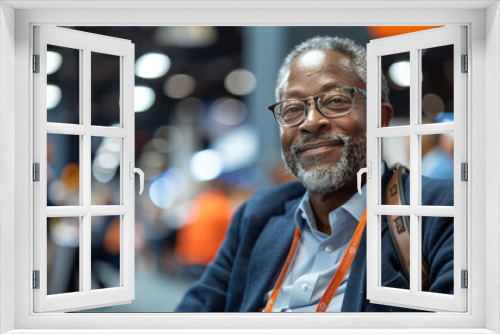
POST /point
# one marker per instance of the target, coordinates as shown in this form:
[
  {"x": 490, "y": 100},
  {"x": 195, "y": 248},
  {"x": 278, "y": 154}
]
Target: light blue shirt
[{"x": 318, "y": 256}]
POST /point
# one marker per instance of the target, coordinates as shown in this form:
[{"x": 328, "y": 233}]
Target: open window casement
[
  {"x": 69, "y": 154},
  {"x": 415, "y": 46}
]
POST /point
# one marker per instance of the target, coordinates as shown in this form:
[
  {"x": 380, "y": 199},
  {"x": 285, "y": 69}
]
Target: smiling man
[{"x": 301, "y": 247}]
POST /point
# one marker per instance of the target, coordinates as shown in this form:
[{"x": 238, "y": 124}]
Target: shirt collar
[
  {"x": 304, "y": 214},
  {"x": 355, "y": 205}
]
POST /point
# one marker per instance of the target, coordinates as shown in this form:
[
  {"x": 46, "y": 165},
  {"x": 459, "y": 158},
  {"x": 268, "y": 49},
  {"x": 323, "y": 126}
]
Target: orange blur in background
[
  {"x": 381, "y": 32},
  {"x": 209, "y": 217}
]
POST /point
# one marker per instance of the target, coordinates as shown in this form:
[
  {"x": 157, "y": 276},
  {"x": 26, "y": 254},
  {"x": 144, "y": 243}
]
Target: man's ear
[{"x": 386, "y": 118}]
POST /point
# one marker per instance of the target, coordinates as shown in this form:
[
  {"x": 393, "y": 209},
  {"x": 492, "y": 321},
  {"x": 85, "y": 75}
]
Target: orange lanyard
[{"x": 337, "y": 278}]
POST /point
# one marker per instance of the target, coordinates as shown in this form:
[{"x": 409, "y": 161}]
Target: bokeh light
[
  {"x": 162, "y": 191},
  {"x": 432, "y": 105},
  {"x": 179, "y": 179},
  {"x": 54, "y": 96},
  {"x": 70, "y": 176},
  {"x": 179, "y": 86},
  {"x": 189, "y": 37},
  {"x": 399, "y": 73},
  {"x": 228, "y": 112},
  {"x": 54, "y": 62},
  {"x": 240, "y": 82},
  {"x": 153, "y": 159},
  {"x": 206, "y": 165},
  {"x": 238, "y": 148},
  {"x": 166, "y": 187},
  {"x": 170, "y": 138},
  {"x": 64, "y": 231},
  {"x": 144, "y": 98},
  {"x": 189, "y": 109},
  {"x": 106, "y": 160},
  {"x": 152, "y": 65}
]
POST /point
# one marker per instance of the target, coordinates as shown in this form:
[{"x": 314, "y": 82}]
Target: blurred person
[
  {"x": 285, "y": 244},
  {"x": 205, "y": 227},
  {"x": 105, "y": 252},
  {"x": 438, "y": 162}
]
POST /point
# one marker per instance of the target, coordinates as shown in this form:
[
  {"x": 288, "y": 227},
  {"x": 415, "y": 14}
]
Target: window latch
[
  {"x": 139, "y": 171},
  {"x": 368, "y": 171}
]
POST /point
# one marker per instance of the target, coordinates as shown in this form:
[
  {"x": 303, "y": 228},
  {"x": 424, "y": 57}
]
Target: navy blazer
[{"x": 259, "y": 237}]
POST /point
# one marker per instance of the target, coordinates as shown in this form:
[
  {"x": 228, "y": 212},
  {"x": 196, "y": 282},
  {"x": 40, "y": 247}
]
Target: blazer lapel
[{"x": 268, "y": 257}]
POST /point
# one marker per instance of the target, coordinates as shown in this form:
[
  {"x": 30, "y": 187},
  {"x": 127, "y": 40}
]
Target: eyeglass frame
[{"x": 315, "y": 98}]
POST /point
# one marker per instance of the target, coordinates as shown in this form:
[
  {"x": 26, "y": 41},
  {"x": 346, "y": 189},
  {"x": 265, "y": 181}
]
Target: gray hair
[{"x": 343, "y": 45}]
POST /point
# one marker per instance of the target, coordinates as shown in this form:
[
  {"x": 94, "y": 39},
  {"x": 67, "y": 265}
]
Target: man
[{"x": 322, "y": 119}]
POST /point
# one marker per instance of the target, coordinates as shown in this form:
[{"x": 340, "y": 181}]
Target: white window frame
[
  {"x": 16, "y": 21},
  {"x": 86, "y": 44},
  {"x": 414, "y": 43}
]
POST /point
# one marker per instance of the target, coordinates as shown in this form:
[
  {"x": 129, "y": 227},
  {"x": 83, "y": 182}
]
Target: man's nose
[{"x": 315, "y": 121}]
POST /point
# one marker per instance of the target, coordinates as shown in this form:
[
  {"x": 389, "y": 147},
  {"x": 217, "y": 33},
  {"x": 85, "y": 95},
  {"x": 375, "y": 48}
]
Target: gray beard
[{"x": 324, "y": 181}]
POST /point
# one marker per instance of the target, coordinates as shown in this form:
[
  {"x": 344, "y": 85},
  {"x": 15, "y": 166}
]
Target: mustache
[{"x": 294, "y": 149}]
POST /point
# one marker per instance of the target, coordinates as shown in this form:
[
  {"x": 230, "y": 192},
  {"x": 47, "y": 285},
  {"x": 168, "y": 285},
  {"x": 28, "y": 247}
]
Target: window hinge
[
  {"x": 465, "y": 279},
  {"x": 465, "y": 64},
  {"x": 36, "y": 63},
  {"x": 36, "y": 279},
  {"x": 36, "y": 172},
  {"x": 464, "y": 171}
]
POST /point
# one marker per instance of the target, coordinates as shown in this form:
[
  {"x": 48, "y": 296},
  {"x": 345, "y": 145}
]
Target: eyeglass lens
[{"x": 333, "y": 103}]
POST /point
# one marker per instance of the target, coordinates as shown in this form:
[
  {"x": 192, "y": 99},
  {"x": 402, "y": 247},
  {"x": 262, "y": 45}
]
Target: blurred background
[{"x": 205, "y": 141}]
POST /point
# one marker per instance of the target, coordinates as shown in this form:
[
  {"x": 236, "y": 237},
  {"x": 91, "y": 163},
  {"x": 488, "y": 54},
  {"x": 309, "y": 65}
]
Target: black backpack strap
[{"x": 399, "y": 226}]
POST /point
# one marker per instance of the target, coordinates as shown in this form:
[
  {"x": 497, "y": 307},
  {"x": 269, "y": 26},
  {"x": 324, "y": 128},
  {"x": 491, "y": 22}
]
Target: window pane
[
  {"x": 63, "y": 255},
  {"x": 437, "y": 84},
  {"x": 394, "y": 150},
  {"x": 105, "y": 265},
  {"x": 437, "y": 166},
  {"x": 438, "y": 251},
  {"x": 105, "y": 77},
  {"x": 396, "y": 68},
  {"x": 106, "y": 157},
  {"x": 63, "y": 85},
  {"x": 63, "y": 169},
  {"x": 393, "y": 272}
]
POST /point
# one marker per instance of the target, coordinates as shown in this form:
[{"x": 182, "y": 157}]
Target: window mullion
[
  {"x": 405, "y": 210},
  {"x": 415, "y": 186},
  {"x": 67, "y": 129},
  {"x": 109, "y": 210},
  {"x": 66, "y": 211},
  {"x": 85, "y": 244},
  {"x": 101, "y": 131}
]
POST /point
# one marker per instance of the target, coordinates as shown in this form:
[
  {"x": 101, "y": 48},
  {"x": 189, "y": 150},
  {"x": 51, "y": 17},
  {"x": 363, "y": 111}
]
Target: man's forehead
[
  {"x": 329, "y": 58},
  {"x": 321, "y": 64},
  {"x": 328, "y": 69}
]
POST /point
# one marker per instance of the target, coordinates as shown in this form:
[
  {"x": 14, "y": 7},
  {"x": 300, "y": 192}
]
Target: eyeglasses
[{"x": 332, "y": 104}]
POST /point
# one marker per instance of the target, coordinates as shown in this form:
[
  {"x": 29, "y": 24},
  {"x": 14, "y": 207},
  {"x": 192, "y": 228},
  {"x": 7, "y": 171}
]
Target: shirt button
[
  {"x": 303, "y": 215},
  {"x": 304, "y": 287},
  {"x": 329, "y": 248}
]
